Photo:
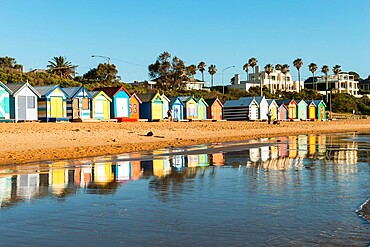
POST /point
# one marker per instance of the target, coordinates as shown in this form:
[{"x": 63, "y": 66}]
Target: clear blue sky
[{"x": 217, "y": 32}]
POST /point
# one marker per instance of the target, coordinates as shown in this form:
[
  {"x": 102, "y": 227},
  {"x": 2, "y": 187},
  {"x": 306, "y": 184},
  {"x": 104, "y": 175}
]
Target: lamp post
[
  {"x": 105, "y": 57},
  {"x": 223, "y": 70}
]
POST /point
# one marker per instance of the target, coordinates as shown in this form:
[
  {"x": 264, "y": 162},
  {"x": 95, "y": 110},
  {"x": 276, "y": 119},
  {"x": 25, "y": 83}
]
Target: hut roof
[
  {"x": 72, "y": 91},
  {"x": 112, "y": 91},
  {"x": 300, "y": 101},
  {"x": 16, "y": 87},
  {"x": 136, "y": 97},
  {"x": 173, "y": 99},
  {"x": 96, "y": 93},
  {"x": 318, "y": 101},
  {"x": 240, "y": 102},
  {"x": 212, "y": 101},
  {"x": 45, "y": 90},
  {"x": 6, "y": 88},
  {"x": 185, "y": 98},
  {"x": 148, "y": 97},
  {"x": 164, "y": 97}
]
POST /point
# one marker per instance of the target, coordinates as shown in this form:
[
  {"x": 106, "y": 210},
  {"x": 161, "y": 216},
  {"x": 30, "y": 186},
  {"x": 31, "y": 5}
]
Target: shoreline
[{"x": 35, "y": 142}]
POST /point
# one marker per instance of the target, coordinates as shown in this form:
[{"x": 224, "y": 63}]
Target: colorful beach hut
[
  {"x": 292, "y": 108},
  {"x": 282, "y": 110},
  {"x": 151, "y": 107},
  {"x": 23, "y": 101},
  {"x": 191, "y": 107},
  {"x": 302, "y": 109},
  {"x": 262, "y": 106},
  {"x": 214, "y": 109},
  {"x": 52, "y": 106},
  {"x": 120, "y": 105},
  {"x": 241, "y": 109},
  {"x": 78, "y": 103},
  {"x": 166, "y": 105},
  {"x": 177, "y": 107},
  {"x": 311, "y": 109},
  {"x": 135, "y": 107},
  {"x": 273, "y": 107},
  {"x": 100, "y": 105},
  {"x": 5, "y": 93},
  {"x": 201, "y": 108},
  {"x": 320, "y": 109}
]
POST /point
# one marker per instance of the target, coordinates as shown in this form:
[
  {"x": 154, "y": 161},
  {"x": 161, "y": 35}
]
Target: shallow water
[{"x": 288, "y": 191}]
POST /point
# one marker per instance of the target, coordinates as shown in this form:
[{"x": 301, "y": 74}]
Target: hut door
[
  {"x": 176, "y": 112},
  {"x": 22, "y": 107},
  {"x": 56, "y": 107},
  {"x": 121, "y": 107},
  {"x": 76, "y": 108},
  {"x": 216, "y": 113},
  {"x": 312, "y": 112},
  {"x": 106, "y": 109}
]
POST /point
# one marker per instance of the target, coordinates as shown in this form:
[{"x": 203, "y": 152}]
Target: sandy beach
[{"x": 29, "y": 142}]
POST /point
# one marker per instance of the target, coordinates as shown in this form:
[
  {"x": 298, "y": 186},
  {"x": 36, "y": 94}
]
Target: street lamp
[
  {"x": 223, "y": 70},
  {"x": 105, "y": 57}
]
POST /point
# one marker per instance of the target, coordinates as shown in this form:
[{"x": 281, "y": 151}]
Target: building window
[
  {"x": 31, "y": 102},
  {"x": 85, "y": 104},
  {"x": 273, "y": 78}
]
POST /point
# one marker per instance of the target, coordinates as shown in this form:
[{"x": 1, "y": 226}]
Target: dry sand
[{"x": 28, "y": 142}]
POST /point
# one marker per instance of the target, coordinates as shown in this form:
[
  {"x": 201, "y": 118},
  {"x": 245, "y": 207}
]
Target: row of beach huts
[{"x": 52, "y": 103}]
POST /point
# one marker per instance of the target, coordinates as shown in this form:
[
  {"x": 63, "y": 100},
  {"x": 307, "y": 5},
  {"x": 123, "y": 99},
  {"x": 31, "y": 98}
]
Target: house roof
[
  {"x": 6, "y": 88},
  {"x": 240, "y": 102},
  {"x": 173, "y": 99},
  {"x": 95, "y": 94},
  {"x": 148, "y": 97},
  {"x": 45, "y": 90},
  {"x": 136, "y": 97},
  {"x": 16, "y": 87},
  {"x": 72, "y": 91},
  {"x": 112, "y": 91}
]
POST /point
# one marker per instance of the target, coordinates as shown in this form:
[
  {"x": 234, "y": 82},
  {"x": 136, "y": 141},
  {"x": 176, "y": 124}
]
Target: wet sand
[{"x": 29, "y": 142}]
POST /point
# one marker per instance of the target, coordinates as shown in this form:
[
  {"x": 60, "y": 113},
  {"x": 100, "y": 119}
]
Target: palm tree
[
  {"x": 246, "y": 68},
  {"x": 212, "y": 70},
  {"x": 337, "y": 70},
  {"x": 269, "y": 68},
  {"x": 253, "y": 62},
  {"x": 61, "y": 67},
  {"x": 285, "y": 69},
  {"x": 325, "y": 70},
  {"x": 202, "y": 68},
  {"x": 313, "y": 67},
  {"x": 298, "y": 64},
  {"x": 278, "y": 66}
]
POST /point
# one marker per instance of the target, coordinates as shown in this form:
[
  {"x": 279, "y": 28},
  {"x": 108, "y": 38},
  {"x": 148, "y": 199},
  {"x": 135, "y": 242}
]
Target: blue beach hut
[
  {"x": 52, "y": 106},
  {"x": 5, "y": 93},
  {"x": 78, "y": 103},
  {"x": 177, "y": 107}
]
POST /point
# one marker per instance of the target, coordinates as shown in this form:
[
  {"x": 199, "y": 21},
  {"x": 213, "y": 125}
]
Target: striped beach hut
[
  {"x": 5, "y": 93},
  {"x": 23, "y": 101},
  {"x": 120, "y": 105},
  {"x": 151, "y": 107},
  {"x": 241, "y": 109},
  {"x": 191, "y": 107},
  {"x": 311, "y": 109},
  {"x": 52, "y": 106},
  {"x": 100, "y": 105},
  {"x": 166, "y": 105},
  {"x": 273, "y": 107},
  {"x": 201, "y": 108},
  {"x": 262, "y": 106},
  {"x": 320, "y": 109},
  {"x": 135, "y": 107},
  {"x": 302, "y": 109},
  {"x": 214, "y": 109},
  {"x": 78, "y": 103},
  {"x": 177, "y": 107}
]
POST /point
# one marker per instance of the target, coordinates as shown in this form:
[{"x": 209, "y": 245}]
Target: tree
[
  {"x": 9, "y": 63},
  {"x": 202, "y": 68},
  {"x": 170, "y": 74},
  {"x": 337, "y": 70},
  {"x": 253, "y": 62},
  {"x": 191, "y": 70},
  {"x": 104, "y": 73},
  {"x": 212, "y": 71},
  {"x": 325, "y": 70},
  {"x": 285, "y": 70},
  {"x": 61, "y": 67},
  {"x": 269, "y": 68},
  {"x": 246, "y": 69},
  {"x": 313, "y": 67},
  {"x": 278, "y": 66},
  {"x": 298, "y": 64}
]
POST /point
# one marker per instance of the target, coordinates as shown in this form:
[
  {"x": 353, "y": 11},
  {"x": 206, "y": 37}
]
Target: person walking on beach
[
  {"x": 169, "y": 114},
  {"x": 269, "y": 114}
]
